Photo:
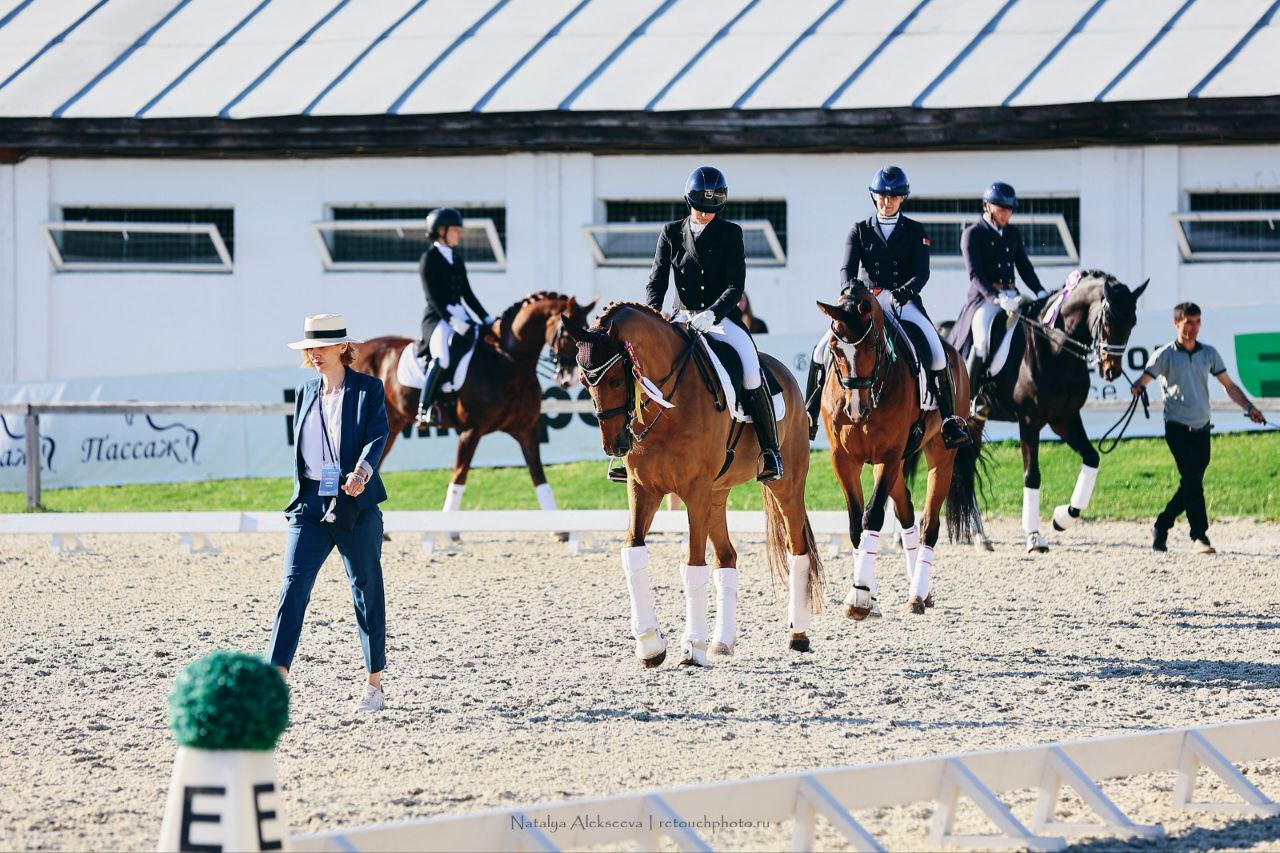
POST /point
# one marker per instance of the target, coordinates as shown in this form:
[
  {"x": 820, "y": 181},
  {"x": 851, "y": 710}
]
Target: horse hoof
[
  {"x": 928, "y": 600},
  {"x": 655, "y": 661},
  {"x": 694, "y": 654},
  {"x": 799, "y": 643},
  {"x": 722, "y": 650},
  {"x": 983, "y": 543},
  {"x": 858, "y": 604},
  {"x": 1036, "y": 544},
  {"x": 916, "y": 605},
  {"x": 386, "y": 537},
  {"x": 455, "y": 538},
  {"x": 651, "y": 649},
  {"x": 562, "y": 536}
]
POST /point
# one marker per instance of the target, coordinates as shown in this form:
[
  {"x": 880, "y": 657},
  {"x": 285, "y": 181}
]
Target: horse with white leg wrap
[{"x": 1041, "y": 378}]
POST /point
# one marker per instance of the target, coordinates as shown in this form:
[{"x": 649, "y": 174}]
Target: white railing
[
  {"x": 799, "y": 798},
  {"x": 1190, "y": 253},
  {"x": 400, "y": 229},
  {"x": 208, "y": 229},
  {"x": 598, "y": 235},
  {"x": 1070, "y": 254}
]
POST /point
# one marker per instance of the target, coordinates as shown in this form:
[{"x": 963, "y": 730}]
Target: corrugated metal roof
[{"x": 253, "y": 58}]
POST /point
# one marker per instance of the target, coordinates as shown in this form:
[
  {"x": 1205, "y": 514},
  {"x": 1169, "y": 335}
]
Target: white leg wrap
[
  {"x": 1031, "y": 510},
  {"x": 864, "y": 564},
  {"x": 798, "y": 614},
  {"x": 924, "y": 568},
  {"x": 453, "y": 497},
  {"x": 635, "y": 568},
  {"x": 546, "y": 498},
  {"x": 726, "y": 628},
  {"x": 695, "y": 602},
  {"x": 1083, "y": 492},
  {"x": 911, "y": 547}
]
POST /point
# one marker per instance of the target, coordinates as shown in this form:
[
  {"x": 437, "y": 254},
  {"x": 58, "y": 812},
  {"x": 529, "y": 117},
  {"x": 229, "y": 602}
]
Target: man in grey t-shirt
[{"x": 1183, "y": 367}]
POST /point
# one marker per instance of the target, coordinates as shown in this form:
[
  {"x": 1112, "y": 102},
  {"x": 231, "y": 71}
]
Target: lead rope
[{"x": 1126, "y": 418}]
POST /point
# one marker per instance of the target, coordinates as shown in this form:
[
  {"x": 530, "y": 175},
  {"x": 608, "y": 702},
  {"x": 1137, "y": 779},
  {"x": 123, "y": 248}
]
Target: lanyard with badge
[{"x": 330, "y": 471}]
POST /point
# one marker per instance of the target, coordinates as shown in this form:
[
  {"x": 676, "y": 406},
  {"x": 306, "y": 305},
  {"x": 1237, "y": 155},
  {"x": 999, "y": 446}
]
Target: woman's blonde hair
[{"x": 348, "y": 356}]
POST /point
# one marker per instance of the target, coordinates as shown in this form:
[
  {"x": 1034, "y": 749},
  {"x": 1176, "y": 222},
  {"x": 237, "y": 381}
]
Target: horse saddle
[
  {"x": 411, "y": 372},
  {"x": 909, "y": 341},
  {"x": 727, "y": 367}
]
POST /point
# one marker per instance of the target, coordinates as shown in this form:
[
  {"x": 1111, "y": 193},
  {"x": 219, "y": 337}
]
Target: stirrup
[
  {"x": 765, "y": 473},
  {"x": 954, "y": 441},
  {"x": 617, "y": 474}
]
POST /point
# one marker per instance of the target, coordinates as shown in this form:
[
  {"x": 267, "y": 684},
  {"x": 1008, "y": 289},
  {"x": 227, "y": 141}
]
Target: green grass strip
[{"x": 1134, "y": 482}]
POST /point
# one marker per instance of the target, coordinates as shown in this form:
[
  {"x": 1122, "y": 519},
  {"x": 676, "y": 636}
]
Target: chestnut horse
[
  {"x": 872, "y": 409},
  {"x": 656, "y": 412},
  {"x": 501, "y": 394}
]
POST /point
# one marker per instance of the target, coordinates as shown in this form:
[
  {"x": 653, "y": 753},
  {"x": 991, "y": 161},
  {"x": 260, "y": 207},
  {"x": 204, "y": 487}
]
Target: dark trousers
[
  {"x": 309, "y": 543},
  {"x": 1190, "y": 450}
]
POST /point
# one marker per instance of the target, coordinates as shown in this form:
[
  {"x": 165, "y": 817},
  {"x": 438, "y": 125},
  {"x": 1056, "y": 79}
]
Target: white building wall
[{"x": 78, "y": 324}]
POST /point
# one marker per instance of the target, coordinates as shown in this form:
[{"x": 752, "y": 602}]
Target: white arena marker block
[
  {"x": 61, "y": 545},
  {"x": 197, "y": 543}
]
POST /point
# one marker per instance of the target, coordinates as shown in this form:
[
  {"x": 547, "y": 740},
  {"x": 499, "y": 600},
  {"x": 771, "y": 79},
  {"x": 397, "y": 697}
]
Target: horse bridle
[
  {"x": 559, "y": 362},
  {"x": 1097, "y": 347},
  {"x": 592, "y": 377}
]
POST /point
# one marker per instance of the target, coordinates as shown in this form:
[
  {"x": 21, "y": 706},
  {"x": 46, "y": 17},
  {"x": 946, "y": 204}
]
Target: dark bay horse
[
  {"x": 1045, "y": 381},
  {"x": 870, "y": 406},
  {"x": 501, "y": 394},
  {"x": 657, "y": 414}
]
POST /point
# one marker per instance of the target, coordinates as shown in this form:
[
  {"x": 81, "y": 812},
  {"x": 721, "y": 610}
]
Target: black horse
[{"x": 1045, "y": 381}]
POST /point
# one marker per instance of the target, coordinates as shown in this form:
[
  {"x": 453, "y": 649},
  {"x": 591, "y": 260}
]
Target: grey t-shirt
[{"x": 1184, "y": 379}]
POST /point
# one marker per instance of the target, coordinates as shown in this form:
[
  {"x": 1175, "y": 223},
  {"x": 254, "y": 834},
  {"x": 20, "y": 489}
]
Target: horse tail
[
  {"x": 968, "y": 481},
  {"x": 775, "y": 537}
]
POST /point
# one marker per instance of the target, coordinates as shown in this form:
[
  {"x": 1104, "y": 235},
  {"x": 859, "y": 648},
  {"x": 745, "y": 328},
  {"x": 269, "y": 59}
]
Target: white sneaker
[{"x": 372, "y": 700}]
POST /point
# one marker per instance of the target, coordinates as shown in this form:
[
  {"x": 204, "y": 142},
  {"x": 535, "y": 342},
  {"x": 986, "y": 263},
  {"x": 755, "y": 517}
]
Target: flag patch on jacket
[{"x": 927, "y": 241}]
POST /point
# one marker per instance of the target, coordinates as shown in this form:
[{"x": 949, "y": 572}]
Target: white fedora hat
[{"x": 323, "y": 330}]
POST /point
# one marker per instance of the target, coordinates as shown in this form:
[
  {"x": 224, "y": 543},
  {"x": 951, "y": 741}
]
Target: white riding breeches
[
  {"x": 439, "y": 344},
  {"x": 937, "y": 359},
  {"x": 737, "y": 337},
  {"x": 982, "y": 320}
]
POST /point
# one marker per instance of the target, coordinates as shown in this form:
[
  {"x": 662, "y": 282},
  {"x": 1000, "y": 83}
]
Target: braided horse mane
[
  {"x": 509, "y": 315},
  {"x": 613, "y": 307}
]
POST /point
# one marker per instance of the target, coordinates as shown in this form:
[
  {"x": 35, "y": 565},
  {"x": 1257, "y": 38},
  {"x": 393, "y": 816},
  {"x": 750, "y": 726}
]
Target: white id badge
[{"x": 330, "y": 473}]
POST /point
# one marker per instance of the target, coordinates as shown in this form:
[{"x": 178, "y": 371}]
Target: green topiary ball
[{"x": 229, "y": 700}]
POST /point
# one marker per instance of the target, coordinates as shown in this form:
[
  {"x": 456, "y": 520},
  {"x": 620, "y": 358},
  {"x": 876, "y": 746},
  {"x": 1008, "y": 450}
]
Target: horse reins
[
  {"x": 875, "y": 382},
  {"x": 594, "y": 376}
]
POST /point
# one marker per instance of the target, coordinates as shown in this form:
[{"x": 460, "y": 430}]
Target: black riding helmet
[
  {"x": 890, "y": 180},
  {"x": 442, "y": 217},
  {"x": 1001, "y": 195},
  {"x": 706, "y": 189}
]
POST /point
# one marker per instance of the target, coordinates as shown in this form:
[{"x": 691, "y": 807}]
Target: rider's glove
[
  {"x": 1043, "y": 294},
  {"x": 489, "y": 319},
  {"x": 901, "y": 296},
  {"x": 702, "y": 321},
  {"x": 459, "y": 325}
]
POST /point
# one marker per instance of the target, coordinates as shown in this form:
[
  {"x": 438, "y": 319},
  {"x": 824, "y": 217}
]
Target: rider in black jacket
[
  {"x": 888, "y": 254},
  {"x": 446, "y": 324},
  {"x": 709, "y": 259}
]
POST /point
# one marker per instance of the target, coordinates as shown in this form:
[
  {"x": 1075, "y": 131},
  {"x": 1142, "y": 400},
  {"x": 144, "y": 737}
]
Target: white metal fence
[{"x": 834, "y": 794}]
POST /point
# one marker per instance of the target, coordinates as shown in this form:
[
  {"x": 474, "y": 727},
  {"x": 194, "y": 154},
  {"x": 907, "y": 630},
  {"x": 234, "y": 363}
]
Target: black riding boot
[
  {"x": 813, "y": 395},
  {"x": 954, "y": 432},
  {"x": 428, "y": 411},
  {"x": 761, "y": 409}
]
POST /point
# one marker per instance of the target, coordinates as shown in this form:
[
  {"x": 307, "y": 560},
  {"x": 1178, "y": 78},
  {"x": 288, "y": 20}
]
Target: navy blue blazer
[
  {"x": 364, "y": 437},
  {"x": 899, "y": 264}
]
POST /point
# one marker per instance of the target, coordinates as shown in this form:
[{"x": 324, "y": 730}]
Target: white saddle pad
[
  {"x": 735, "y": 408},
  {"x": 1002, "y": 354},
  {"x": 411, "y": 372}
]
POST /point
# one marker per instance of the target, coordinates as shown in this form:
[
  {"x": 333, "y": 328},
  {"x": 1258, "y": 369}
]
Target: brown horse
[
  {"x": 872, "y": 409},
  {"x": 501, "y": 394},
  {"x": 633, "y": 360}
]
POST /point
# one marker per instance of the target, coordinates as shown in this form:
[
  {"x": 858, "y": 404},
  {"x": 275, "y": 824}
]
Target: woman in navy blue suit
[{"x": 339, "y": 431}]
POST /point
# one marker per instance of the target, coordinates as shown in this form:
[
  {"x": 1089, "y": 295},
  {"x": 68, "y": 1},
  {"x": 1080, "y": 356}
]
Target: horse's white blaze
[
  {"x": 852, "y": 408},
  {"x": 911, "y": 548},
  {"x": 635, "y": 568},
  {"x": 864, "y": 564},
  {"x": 923, "y": 571},
  {"x": 726, "y": 627},
  {"x": 695, "y": 602},
  {"x": 798, "y": 613}
]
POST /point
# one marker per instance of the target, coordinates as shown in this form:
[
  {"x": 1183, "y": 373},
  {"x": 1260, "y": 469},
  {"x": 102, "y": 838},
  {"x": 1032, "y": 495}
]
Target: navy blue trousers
[{"x": 309, "y": 543}]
